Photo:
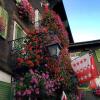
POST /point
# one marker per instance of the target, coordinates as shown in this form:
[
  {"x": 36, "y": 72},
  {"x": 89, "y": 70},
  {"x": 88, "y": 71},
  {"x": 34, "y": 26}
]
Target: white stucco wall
[{"x": 5, "y": 77}]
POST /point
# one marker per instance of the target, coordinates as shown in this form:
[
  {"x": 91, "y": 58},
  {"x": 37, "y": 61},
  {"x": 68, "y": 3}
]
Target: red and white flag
[
  {"x": 64, "y": 97},
  {"x": 93, "y": 67},
  {"x": 85, "y": 68},
  {"x": 92, "y": 84}
]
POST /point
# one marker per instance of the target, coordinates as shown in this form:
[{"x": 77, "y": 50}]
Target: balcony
[
  {"x": 17, "y": 46},
  {"x": 49, "y": 31}
]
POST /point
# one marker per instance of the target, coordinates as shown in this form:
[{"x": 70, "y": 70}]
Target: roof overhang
[
  {"x": 84, "y": 45},
  {"x": 58, "y": 7}
]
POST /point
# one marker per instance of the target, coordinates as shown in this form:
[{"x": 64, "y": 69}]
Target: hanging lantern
[{"x": 54, "y": 50}]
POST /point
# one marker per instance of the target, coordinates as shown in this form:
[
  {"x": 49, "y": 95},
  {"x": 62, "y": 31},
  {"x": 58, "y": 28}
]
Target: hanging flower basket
[
  {"x": 46, "y": 76},
  {"x": 25, "y": 10}
]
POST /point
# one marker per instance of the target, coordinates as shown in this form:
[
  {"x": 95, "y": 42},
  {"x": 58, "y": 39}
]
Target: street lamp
[{"x": 54, "y": 50}]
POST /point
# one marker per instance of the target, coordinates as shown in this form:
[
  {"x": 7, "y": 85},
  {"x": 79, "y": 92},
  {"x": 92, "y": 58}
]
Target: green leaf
[
  {"x": 41, "y": 83},
  {"x": 63, "y": 73}
]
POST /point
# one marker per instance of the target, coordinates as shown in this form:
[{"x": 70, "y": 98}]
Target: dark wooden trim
[{"x": 84, "y": 45}]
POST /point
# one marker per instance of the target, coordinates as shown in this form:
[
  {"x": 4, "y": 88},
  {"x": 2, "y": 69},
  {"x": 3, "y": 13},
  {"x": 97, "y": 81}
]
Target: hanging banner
[
  {"x": 93, "y": 67},
  {"x": 98, "y": 82},
  {"x": 85, "y": 68},
  {"x": 93, "y": 84}
]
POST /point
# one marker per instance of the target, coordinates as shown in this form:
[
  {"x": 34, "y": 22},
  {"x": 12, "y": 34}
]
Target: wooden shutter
[{"x": 5, "y": 91}]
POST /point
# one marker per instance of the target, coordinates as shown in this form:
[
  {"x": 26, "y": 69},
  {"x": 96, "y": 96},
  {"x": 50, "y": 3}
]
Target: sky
[{"x": 84, "y": 19}]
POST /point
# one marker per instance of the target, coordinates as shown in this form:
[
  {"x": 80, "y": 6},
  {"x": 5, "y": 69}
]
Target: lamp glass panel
[
  {"x": 58, "y": 51},
  {"x": 52, "y": 50}
]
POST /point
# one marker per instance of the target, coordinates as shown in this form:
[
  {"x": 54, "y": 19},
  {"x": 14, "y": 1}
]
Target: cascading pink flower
[
  {"x": 45, "y": 75},
  {"x": 46, "y": 65},
  {"x": 18, "y": 93},
  {"x": 20, "y": 83},
  {"x": 46, "y": 7},
  {"x": 21, "y": 78},
  {"x": 31, "y": 71},
  {"x": 37, "y": 91},
  {"x": 34, "y": 80},
  {"x": 50, "y": 87},
  {"x": 27, "y": 92}
]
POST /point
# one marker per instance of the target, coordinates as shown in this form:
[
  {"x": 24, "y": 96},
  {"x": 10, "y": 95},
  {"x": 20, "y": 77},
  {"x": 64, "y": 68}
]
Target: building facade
[
  {"x": 11, "y": 27},
  {"x": 93, "y": 48},
  {"x": 15, "y": 21}
]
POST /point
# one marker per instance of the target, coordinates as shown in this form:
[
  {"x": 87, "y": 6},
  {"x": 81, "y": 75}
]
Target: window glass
[
  {"x": 3, "y": 22},
  {"x": 37, "y": 18},
  {"x": 19, "y": 32},
  {"x": 98, "y": 54},
  {"x": 18, "y": 36}
]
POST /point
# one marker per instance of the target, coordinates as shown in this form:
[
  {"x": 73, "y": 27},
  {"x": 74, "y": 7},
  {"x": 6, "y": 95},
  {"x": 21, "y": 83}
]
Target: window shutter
[{"x": 5, "y": 91}]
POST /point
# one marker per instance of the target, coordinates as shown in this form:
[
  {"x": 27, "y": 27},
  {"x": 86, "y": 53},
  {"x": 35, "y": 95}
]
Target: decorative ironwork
[{"x": 17, "y": 44}]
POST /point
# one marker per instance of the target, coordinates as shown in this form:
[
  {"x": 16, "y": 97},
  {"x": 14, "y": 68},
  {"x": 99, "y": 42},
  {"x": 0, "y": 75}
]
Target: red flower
[
  {"x": 30, "y": 48},
  {"x": 46, "y": 58},
  {"x": 30, "y": 63},
  {"x": 37, "y": 62},
  {"x": 20, "y": 60},
  {"x": 46, "y": 7},
  {"x": 33, "y": 39},
  {"x": 29, "y": 57},
  {"x": 45, "y": 30},
  {"x": 23, "y": 51},
  {"x": 38, "y": 56}
]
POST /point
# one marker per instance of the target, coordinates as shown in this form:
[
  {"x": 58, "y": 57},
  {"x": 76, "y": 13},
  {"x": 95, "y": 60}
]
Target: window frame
[
  {"x": 14, "y": 34},
  {"x": 14, "y": 31}
]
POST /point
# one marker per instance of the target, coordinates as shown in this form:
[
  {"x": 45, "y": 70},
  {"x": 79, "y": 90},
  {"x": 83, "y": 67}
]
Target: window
[
  {"x": 3, "y": 22},
  {"x": 18, "y": 35},
  {"x": 18, "y": 32},
  {"x": 37, "y": 18},
  {"x": 97, "y": 52}
]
